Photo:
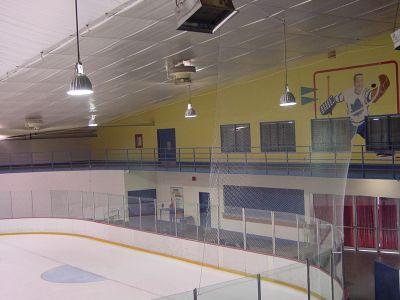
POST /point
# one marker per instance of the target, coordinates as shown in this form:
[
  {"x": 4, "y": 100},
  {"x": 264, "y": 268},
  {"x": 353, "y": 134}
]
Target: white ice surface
[{"x": 130, "y": 274}]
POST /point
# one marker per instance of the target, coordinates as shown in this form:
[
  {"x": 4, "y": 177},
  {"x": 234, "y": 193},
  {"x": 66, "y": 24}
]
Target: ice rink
[{"x": 69, "y": 267}]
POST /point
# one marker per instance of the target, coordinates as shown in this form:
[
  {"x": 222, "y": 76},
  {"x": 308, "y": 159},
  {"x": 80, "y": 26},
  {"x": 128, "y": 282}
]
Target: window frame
[
  {"x": 390, "y": 146},
  {"x": 278, "y": 147},
  {"x": 235, "y": 147},
  {"x": 332, "y": 147}
]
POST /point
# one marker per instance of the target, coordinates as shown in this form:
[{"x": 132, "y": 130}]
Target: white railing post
[
  {"x": 108, "y": 208},
  {"x": 244, "y": 228},
  {"x": 332, "y": 271},
  {"x": 155, "y": 215},
  {"x": 11, "y": 204},
  {"x": 51, "y": 204},
  {"x": 318, "y": 242},
  {"x": 197, "y": 221},
  {"x": 308, "y": 280},
  {"x": 32, "y": 214},
  {"x": 218, "y": 225},
  {"x": 126, "y": 211},
  {"x": 82, "y": 213},
  {"x": 140, "y": 213},
  {"x": 333, "y": 250},
  {"x": 273, "y": 233},
  {"x": 68, "y": 214},
  {"x": 376, "y": 224},
  {"x": 94, "y": 207},
  {"x": 176, "y": 221},
  {"x": 298, "y": 237}
]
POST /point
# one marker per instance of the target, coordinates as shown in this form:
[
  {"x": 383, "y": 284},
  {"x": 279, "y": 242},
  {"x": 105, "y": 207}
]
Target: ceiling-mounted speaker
[{"x": 203, "y": 15}]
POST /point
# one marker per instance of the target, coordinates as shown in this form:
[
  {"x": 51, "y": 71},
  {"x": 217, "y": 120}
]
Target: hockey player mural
[{"x": 358, "y": 98}]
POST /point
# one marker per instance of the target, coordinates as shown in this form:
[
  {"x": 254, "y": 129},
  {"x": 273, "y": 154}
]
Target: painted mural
[
  {"x": 357, "y": 99},
  {"x": 356, "y": 92}
]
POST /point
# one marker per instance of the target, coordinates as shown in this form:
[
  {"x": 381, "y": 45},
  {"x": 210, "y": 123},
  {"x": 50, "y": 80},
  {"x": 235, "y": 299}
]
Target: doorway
[
  {"x": 204, "y": 204},
  {"x": 166, "y": 145}
]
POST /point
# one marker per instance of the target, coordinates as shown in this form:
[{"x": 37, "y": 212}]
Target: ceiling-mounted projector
[
  {"x": 203, "y": 15},
  {"x": 396, "y": 39}
]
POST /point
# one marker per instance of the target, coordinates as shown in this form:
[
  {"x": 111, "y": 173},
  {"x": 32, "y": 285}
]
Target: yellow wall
[{"x": 256, "y": 99}]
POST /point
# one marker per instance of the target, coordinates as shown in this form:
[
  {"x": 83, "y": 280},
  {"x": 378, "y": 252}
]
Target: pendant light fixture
[
  {"x": 190, "y": 112},
  {"x": 287, "y": 99},
  {"x": 80, "y": 84},
  {"x": 92, "y": 121}
]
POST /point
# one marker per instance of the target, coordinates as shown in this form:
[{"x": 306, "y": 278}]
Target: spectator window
[
  {"x": 235, "y": 138},
  {"x": 278, "y": 136},
  {"x": 383, "y": 133},
  {"x": 262, "y": 198},
  {"x": 329, "y": 135}
]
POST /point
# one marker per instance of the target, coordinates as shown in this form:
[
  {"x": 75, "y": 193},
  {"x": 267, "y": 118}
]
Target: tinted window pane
[
  {"x": 235, "y": 138},
  {"x": 395, "y": 131},
  {"x": 341, "y": 134},
  {"x": 278, "y": 136},
  {"x": 287, "y": 138},
  {"x": 227, "y": 138},
  {"x": 330, "y": 135},
  {"x": 321, "y": 135},
  {"x": 377, "y": 133},
  {"x": 242, "y": 138}
]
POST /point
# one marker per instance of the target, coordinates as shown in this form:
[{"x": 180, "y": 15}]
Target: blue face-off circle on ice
[{"x": 70, "y": 274}]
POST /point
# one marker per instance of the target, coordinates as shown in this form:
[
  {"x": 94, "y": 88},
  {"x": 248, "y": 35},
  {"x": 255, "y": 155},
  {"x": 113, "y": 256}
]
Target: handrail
[
  {"x": 302, "y": 162},
  {"x": 396, "y": 147}
]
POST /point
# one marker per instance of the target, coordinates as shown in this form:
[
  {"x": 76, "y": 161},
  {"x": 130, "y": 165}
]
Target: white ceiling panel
[
  {"x": 122, "y": 49},
  {"x": 55, "y": 61},
  {"x": 358, "y": 8},
  {"x": 157, "y": 32},
  {"x": 383, "y": 14},
  {"x": 150, "y": 10},
  {"x": 119, "y": 28},
  {"x": 32, "y": 75},
  {"x": 88, "y": 46}
]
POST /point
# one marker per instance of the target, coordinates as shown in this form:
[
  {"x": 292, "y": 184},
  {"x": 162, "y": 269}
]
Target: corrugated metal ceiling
[{"x": 124, "y": 52}]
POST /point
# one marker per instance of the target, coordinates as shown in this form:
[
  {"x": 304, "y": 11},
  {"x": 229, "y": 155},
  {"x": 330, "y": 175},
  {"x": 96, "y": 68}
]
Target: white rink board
[{"x": 222, "y": 257}]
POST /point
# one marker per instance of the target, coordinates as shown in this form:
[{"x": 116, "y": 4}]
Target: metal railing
[
  {"x": 297, "y": 237},
  {"x": 304, "y": 161}
]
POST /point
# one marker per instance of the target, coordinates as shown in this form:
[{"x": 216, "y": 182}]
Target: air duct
[{"x": 203, "y": 15}]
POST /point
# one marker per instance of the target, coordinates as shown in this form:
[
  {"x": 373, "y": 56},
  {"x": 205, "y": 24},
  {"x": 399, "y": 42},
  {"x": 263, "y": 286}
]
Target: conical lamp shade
[
  {"x": 190, "y": 112},
  {"x": 80, "y": 85},
  {"x": 92, "y": 121},
  {"x": 287, "y": 99}
]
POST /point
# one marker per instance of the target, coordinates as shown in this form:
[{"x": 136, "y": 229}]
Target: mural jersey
[
  {"x": 357, "y": 104},
  {"x": 357, "y": 99}
]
